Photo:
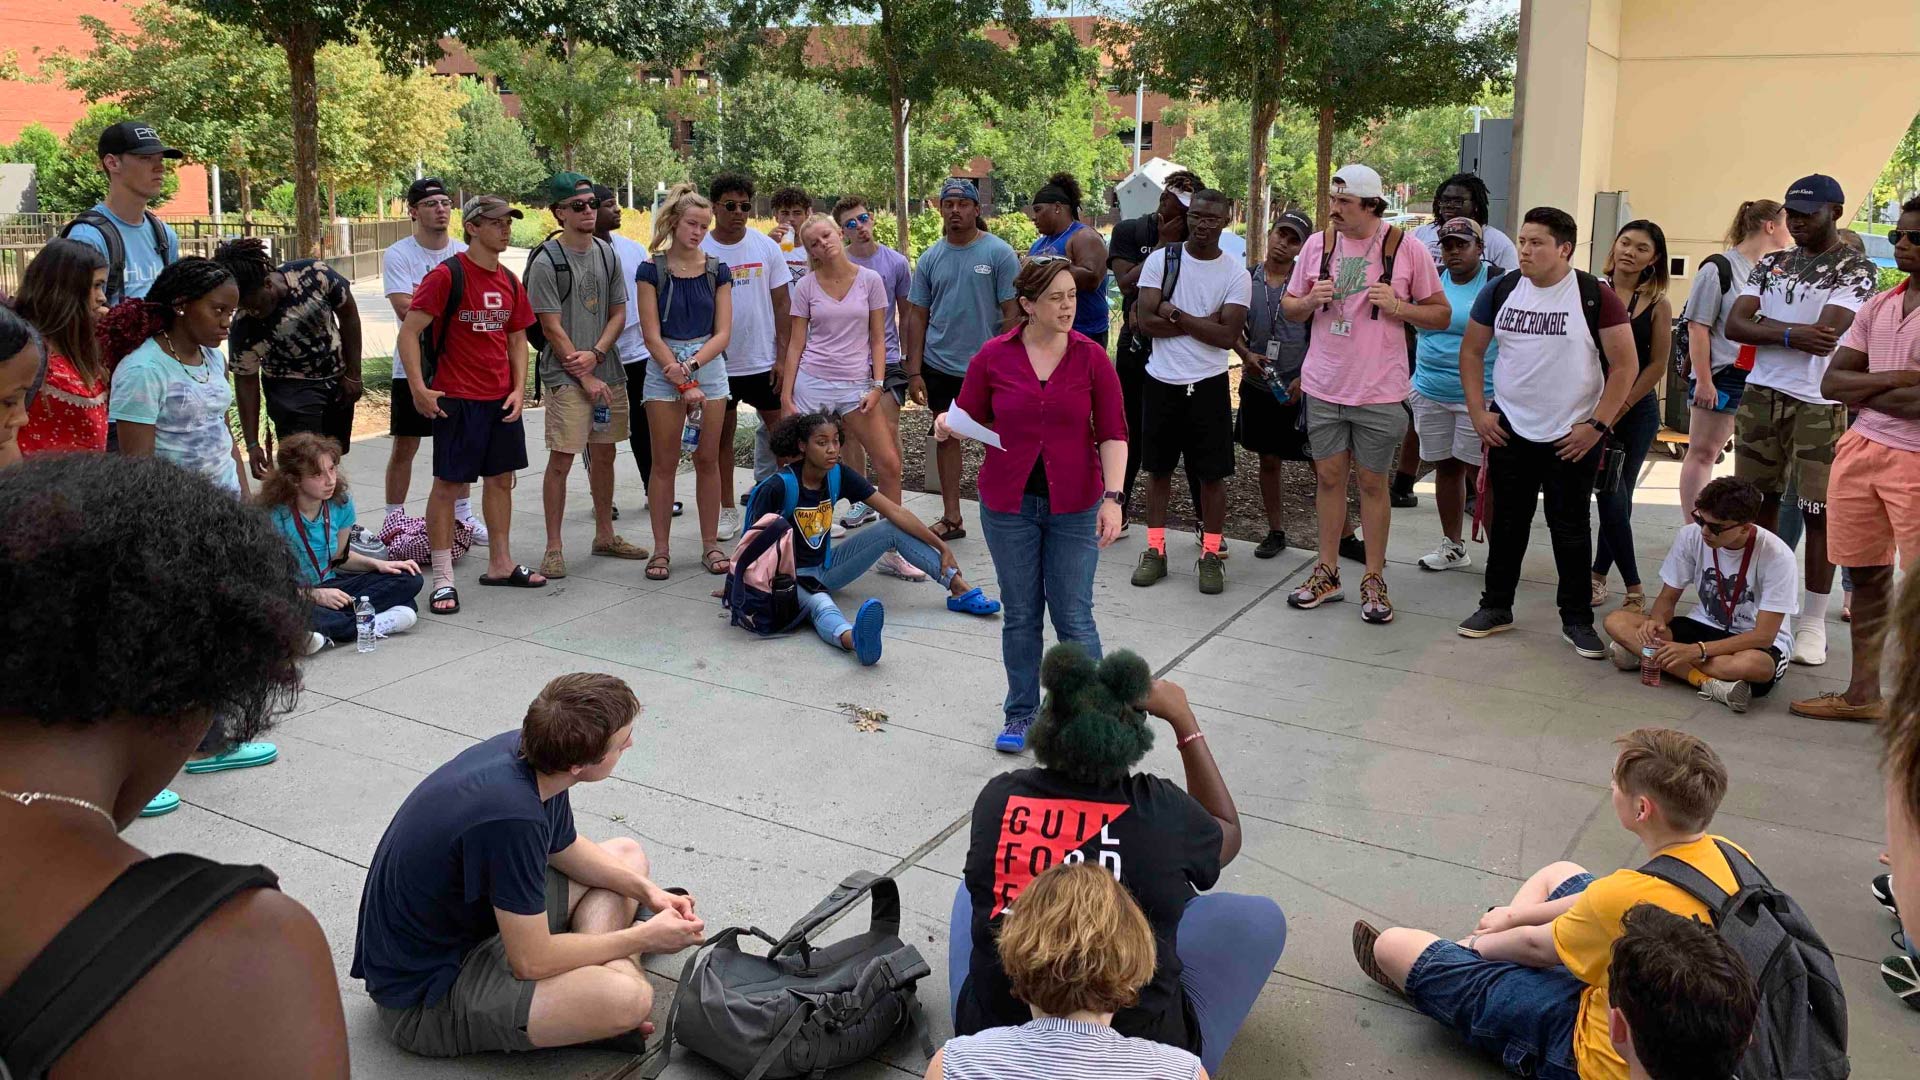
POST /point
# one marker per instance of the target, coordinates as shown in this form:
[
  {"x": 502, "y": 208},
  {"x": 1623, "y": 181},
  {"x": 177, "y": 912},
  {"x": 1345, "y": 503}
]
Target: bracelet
[
  {"x": 1185, "y": 739},
  {"x": 1703, "y": 652},
  {"x": 1473, "y": 939},
  {"x": 1786, "y": 337},
  {"x": 690, "y": 384}
]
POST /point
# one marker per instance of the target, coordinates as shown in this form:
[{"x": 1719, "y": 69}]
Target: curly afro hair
[
  {"x": 790, "y": 436},
  {"x": 135, "y": 588},
  {"x": 1090, "y": 726}
]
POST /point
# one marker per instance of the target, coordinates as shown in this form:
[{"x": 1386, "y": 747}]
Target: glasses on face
[
  {"x": 1912, "y": 235},
  {"x": 434, "y": 204},
  {"x": 577, "y": 205},
  {"x": 857, "y": 220},
  {"x": 733, "y": 207},
  {"x": 1714, "y": 527}
]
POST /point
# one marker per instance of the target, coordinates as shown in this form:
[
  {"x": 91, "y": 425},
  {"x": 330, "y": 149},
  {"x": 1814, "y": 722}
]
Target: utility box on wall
[{"x": 1488, "y": 154}]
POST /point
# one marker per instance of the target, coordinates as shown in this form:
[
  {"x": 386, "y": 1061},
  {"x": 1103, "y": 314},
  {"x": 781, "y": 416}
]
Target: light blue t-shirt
[
  {"x": 187, "y": 407},
  {"x": 1436, "y": 371},
  {"x": 962, "y": 289},
  {"x": 144, "y": 261},
  {"x": 314, "y": 542}
]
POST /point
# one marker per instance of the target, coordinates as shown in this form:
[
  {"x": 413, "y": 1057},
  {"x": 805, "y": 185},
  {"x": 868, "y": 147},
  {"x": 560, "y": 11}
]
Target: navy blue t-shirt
[
  {"x": 812, "y": 515},
  {"x": 690, "y": 306},
  {"x": 472, "y": 837}
]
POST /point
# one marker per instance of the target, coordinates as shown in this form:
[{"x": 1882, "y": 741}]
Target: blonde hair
[
  {"x": 1752, "y": 216},
  {"x": 681, "y": 198},
  {"x": 1678, "y": 771},
  {"x": 800, "y": 235},
  {"x": 1075, "y": 940}
]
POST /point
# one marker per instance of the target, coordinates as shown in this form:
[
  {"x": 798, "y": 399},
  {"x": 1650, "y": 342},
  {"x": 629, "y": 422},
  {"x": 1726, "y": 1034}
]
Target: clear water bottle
[
  {"x": 602, "y": 416},
  {"x": 363, "y": 621},
  {"x": 690, "y": 434},
  {"x": 1650, "y": 665}
]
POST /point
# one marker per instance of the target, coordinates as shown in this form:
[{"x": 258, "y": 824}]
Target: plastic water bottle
[
  {"x": 602, "y": 416},
  {"x": 363, "y": 621},
  {"x": 690, "y": 434},
  {"x": 1650, "y": 665},
  {"x": 1279, "y": 388}
]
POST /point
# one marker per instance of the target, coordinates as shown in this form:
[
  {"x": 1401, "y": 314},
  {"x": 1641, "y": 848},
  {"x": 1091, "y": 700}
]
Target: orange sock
[
  {"x": 1697, "y": 678},
  {"x": 1157, "y": 540},
  {"x": 1210, "y": 543}
]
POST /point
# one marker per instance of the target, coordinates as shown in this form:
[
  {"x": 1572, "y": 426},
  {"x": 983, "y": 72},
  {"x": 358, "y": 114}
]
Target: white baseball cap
[{"x": 1359, "y": 182}]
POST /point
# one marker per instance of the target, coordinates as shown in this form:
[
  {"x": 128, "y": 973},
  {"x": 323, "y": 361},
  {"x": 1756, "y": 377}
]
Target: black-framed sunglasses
[
  {"x": 732, "y": 207},
  {"x": 578, "y": 205},
  {"x": 857, "y": 220},
  {"x": 1912, "y": 235},
  {"x": 1715, "y": 527}
]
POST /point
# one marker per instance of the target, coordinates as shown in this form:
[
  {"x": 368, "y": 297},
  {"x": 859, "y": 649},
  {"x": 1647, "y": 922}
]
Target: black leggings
[
  {"x": 637, "y": 420},
  {"x": 1634, "y": 434}
]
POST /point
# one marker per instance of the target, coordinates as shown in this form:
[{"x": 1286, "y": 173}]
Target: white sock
[
  {"x": 462, "y": 509},
  {"x": 1814, "y": 606},
  {"x": 396, "y": 508},
  {"x": 442, "y": 566}
]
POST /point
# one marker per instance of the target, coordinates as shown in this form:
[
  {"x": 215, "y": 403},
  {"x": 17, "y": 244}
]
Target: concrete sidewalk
[{"x": 1400, "y": 774}]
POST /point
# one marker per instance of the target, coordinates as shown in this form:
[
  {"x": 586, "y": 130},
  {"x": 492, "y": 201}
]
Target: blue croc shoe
[
  {"x": 244, "y": 755},
  {"x": 866, "y": 632},
  {"x": 973, "y": 602},
  {"x": 164, "y": 803},
  {"x": 1013, "y": 738}
]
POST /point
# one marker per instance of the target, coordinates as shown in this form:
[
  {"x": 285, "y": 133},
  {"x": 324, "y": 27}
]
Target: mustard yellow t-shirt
[{"x": 1584, "y": 937}]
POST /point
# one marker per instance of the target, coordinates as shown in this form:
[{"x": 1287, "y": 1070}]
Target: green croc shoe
[{"x": 244, "y": 755}]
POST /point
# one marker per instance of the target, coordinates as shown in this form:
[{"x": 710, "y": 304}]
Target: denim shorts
[
  {"x": 1523, "y": 1016},
  {"x": 712, "y": 375}
]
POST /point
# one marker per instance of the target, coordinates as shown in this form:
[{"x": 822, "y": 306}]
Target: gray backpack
[
  {"x": 801, "y": 1009},
  {"x": 1801, "y": 1030}
]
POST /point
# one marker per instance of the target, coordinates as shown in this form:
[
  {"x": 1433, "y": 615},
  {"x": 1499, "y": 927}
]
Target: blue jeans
[
  {"x": 384, "y": 590},
  {"x": 1045, "y": 562},
  {"x": 1521, "y": 1015},
  {"x": 1227, "y": 943},
  {"x": 1634, "y": 434},
  {"x": 851, "y": 557}
]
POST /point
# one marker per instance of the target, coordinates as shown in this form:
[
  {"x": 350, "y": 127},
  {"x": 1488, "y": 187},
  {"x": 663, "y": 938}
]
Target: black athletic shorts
[
  {"x": 1191, "y": 421},
  {"x": 1694, "y": 632},
  {"x": 316, "y": 405},
  {"x": 942, "y": 388},
  {"x": 897, "y": 382},
  {"x": 402, "y": 418},
  {"x": 472, "y": 441},
  {"x": 1265, "y": 426},
  {"x": 756, "y": 390}
]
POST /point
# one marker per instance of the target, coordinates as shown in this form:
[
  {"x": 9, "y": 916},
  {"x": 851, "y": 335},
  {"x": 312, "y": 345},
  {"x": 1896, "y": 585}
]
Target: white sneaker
[
  {"x": 479, "y": 531},
  {"x": 837, "y": 531},
  {"x": 1623, "y": 658},
  {"x": 893, "y": 564},
  {"x": 315, "y": 642},
  {"x": 394, "y": 620},
  {"x": 1810, "y": 643},
  {"x": 1448, "y": 556},
  {"x": 859, "y": 514},
  {"x": 729, "y": 524},
  {"x": 1733, "y": 693}
]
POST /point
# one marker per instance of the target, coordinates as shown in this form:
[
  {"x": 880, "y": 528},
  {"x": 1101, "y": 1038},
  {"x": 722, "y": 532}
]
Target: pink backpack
[{"x": 762, "y": 590}]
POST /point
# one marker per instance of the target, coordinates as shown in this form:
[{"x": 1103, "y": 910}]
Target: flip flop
[
  {"x": 244, "y": 755},
  {"x": 973, "y": 602},
  {"x": 164, "y": 803},
  {"x": 519, "y": 578},
  {"x": 442, "y": 594},
  {"x": 1365, "y": 937}
]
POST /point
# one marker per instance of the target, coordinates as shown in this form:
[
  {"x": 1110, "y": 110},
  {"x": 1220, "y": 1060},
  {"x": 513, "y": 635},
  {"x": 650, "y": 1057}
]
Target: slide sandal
[
  {"x": 244, "y": 755},
  {"x": 973, "y": 602},
  {"x": 716, "y": 561},
  {"x": 659, "y": 568},
  {"x": 518, "y": 578},
  {"x": 442, "y": 595},
  {"x": 949, "y": 529},
  {"x": 866, "y": 632},
  {"x": 164, "y": 803}
]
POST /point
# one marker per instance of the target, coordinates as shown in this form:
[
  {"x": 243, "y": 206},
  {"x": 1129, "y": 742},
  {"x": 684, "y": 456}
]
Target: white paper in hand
[{"x": 967, "y": 427}]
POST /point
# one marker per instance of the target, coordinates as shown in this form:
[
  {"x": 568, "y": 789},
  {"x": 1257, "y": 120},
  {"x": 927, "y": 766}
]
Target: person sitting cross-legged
[
  {"x": 1734, "y": 645},
  {"x": 488, "y": 922},
  {"x": 804, "y": 492},
  {"x": 1529, "y": 986},
  {"x": 1681, "y": 1001}
]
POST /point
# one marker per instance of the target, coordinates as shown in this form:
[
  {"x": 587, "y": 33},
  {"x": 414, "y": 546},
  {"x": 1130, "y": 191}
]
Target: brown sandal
[
  {"x": 1365, "y": 937},
  {"x": 949, "y": 529},
  {"x": 660, "y": 563},
  {"x": 716, "y": 561}
]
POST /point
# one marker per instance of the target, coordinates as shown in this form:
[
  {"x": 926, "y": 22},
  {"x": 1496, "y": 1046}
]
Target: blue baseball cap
[
  {"x": 1810, "y": 193},
  {"x": 959, "y": 187}
]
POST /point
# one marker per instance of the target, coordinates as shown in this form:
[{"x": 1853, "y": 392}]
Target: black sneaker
[
  {"x": 1274, "y": 544},
  {"x": 1584, "y": 641},
  {"x": 1486, "y": 622},
  {"x": 1882, "y": 887},
  {"x": 1401, "y": 500},
  {"x": 1353, "y": 549}
]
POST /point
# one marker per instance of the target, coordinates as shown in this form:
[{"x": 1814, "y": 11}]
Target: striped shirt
[
  {"x": 1892, "y": 343},
  {"x": 1055, "y": 1049}
]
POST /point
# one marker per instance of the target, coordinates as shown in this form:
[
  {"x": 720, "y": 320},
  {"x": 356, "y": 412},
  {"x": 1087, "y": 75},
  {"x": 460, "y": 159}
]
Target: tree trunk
[
  {"x": 1323, "y": 166},
  {"x": 301, "y": 45},
  {"x": 333, "y": 212},
  {"x": 566, "y": 106},
  {"x": 244, "y": 179},
  {"x": 898, "y": 106},
  {"x": 1265, "y": 108}
]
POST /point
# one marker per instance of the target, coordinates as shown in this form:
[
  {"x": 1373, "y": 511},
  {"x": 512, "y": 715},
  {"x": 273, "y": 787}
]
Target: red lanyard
[
  {"x": 1731, "y": 593},
  {"x": 326, "y": 544}
]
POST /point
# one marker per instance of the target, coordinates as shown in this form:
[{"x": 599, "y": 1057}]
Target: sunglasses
[
  {"x": 732, "y": 207},
  {"x": 857, "y": 220},
  {"x": 1716, "y": 528},
  {"x": 578, "y": 205},
  {"x": 1912, "y": 235}
]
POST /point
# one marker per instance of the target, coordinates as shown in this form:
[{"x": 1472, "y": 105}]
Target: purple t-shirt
[
  {"x": 837, "y": 345},
  {"x": 897, "y": 272}
]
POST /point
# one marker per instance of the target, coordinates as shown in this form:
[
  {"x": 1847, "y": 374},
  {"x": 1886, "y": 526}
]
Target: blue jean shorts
[
  {"x": 1731, "y": 382},
  {"x": 1523, "y": 1016},
  {"x": 712, "y": 375}
]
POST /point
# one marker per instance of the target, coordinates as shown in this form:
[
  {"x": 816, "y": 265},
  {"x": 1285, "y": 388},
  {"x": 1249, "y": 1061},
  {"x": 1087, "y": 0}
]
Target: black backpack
[
  {"x": 563, "y": 278},
  {"x": 1801, "y": 1030},
  {"x": 116, "y": 249},
  {"x": 433, "y": 340},
  {"x": 1682, "y": 348},
  {"x": 1589, "y": 304}
]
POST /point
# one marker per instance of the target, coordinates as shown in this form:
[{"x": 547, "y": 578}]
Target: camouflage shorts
[{"x": 1781, "y": 440}]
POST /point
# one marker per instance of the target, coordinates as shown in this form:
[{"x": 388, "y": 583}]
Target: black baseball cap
[
  {"x": 134, "y": 137},
  {"x": 1294, "y": 221},
  {"x": 425, "y": 188},
  {"x": 1810, "y": 193}
]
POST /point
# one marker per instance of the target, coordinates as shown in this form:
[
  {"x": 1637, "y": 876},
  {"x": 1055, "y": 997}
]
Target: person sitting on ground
[
  {"x": 1733, "y": 646},
  {"x": 1682, "y": 1003},
  {"x": 488, "y": 923},
  {"x": 1076, "y": 951},
  {"x": 1213, "y": 952},
  {"x": 63, "y": 294},
  {"x": 804, "y": 492},
  {"x": 96, "y": 713},
  {"x": 1530, "y": 983},
  {"x": 306, "y": 498}
]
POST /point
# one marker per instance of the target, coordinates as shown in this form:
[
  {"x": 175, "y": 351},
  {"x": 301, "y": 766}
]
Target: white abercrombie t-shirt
[
  {"x": 759, "y": 267},
  {"x": 1204, "y": 287},
  {"x": 1548, "y": 378},
  {"x": 631, "y": 343},
  {"x": 1772, "y": 583},
  {"x": 403, "y": 265}
]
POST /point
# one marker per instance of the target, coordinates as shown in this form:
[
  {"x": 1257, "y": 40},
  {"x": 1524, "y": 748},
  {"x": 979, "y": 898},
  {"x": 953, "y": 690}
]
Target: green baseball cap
[{"x": 565, "y": 186}]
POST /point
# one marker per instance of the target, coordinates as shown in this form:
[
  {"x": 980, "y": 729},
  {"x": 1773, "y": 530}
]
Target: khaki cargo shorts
[{"x": 1780, "y": 439}]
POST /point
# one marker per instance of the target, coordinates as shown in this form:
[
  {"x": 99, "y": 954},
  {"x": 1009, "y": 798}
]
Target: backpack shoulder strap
[
  {"x": 1590, "y": 307},
  {"x": 886, "y": 908},
  {"x": 1504, "y": 288},
  {"x": 713, "y": 273},
  {"x": 1688, "y": 879},
  {"x": 833, "y": 483},
  {"x": 1170, "y": 275},
  {"x": 1326, "y": 252},
  {"x": 1494, "y": 273},
  {"x": 1745, "y": 874},
  {"x": 1725, "y": 269},
  {"x": 456, "y": 291},
  {"x": 790, "y": 496},
  {"x": 159, "y": 230},
  {"x": 110, "y": 946},
  {"x": 116, "y": 249},
  {"x": 1389, "y": 248}
]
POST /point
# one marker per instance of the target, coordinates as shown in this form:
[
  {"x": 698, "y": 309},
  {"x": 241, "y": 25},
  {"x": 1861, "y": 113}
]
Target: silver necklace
[
  {"x": 166, "y": 346},
  {"x": 28, "y": 798}
]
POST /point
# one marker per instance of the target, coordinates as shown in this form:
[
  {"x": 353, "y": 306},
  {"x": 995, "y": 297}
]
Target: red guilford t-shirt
[{"x": 474, "y": 364}]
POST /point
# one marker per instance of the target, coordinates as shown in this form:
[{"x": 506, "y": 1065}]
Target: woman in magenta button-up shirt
[{"x": 1050, "y": 498}]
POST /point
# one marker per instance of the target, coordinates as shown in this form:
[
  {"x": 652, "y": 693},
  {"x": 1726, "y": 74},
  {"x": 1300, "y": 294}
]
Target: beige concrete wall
[{"x": 1691, "y": 106}]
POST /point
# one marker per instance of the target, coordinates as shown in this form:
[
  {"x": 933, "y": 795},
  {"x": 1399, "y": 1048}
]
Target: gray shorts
[
  {"x": 487, "y": 1008},
  {"x": 1371, "y": 433}
]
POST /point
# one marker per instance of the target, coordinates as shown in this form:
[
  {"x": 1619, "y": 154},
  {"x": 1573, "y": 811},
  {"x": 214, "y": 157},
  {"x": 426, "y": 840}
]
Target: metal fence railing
[{"x": 356, "y": 255}]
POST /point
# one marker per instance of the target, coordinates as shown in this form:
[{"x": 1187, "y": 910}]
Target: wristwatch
[
  {"x": 1118, "y": 497},
  {"x": 877, "y": 384},
  {"x": 1599, "y": 425}
]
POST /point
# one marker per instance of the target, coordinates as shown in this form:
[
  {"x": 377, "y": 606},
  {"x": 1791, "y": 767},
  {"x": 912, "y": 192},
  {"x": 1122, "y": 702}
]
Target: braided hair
[
  {"x": 1476, "y": 189},
  {"x": 131, "y": 322},
  {"x": 246, "y": 259}
]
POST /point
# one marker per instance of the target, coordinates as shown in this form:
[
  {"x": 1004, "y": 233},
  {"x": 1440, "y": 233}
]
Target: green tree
[
  {"x": 631, "y": 140},
  {"x": 947, "y": 131},
  {"x": 564, "y": 94},
  {"x": 377, "y": 123},
  {"x": 1418, "y": 147},
  {"x": 1900, "y": 179},
  {"x": 490, "y": 151},
  {"x": 37, "y": 146},
  {"x": 1057, "y": 134},
  {"x": 777, "y": 129},
  {"x": 76, "y": 181}
]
